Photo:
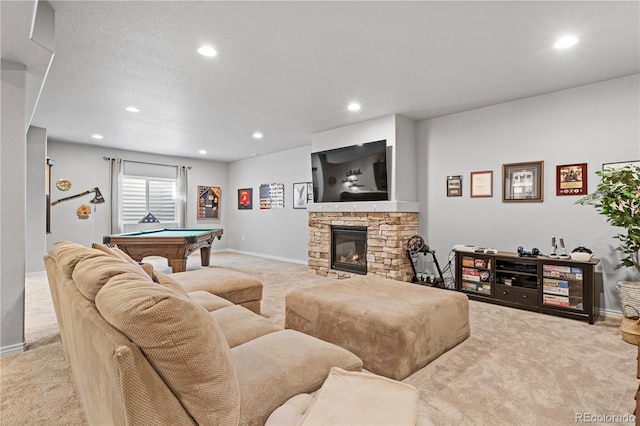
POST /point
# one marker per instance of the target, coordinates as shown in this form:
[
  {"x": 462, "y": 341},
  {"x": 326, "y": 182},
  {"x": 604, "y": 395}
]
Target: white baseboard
[
  {"x": 13, "y": 349},
  {"x": 267, "y": 256},
  {"x": 35, "y": 274}
]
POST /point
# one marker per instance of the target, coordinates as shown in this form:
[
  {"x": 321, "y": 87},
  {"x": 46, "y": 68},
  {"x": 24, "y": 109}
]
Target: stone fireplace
[{"x": 386, "y": 241}]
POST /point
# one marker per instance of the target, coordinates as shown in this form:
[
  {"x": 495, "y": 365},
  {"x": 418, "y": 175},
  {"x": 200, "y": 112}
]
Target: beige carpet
[{"x": 517, "y": 368}]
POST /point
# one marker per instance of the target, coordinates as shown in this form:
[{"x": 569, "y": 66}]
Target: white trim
[
  {"x": 13, "y": 349},
  {"x": 35, "y": 274},
  {"x": 609, "y": 313},
  {"x": 366, "y": 206},
  {"x": 267, "y": 256}
]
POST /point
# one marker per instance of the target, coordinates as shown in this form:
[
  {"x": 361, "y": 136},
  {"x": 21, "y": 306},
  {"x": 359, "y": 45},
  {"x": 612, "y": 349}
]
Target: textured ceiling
[{"x": 288, "y": 69}]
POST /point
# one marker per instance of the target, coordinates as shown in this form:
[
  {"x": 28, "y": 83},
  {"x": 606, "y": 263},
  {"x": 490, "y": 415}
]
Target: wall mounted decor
[
  {"x": 302, "y": 194},
  {"x": 482, "y": 184},
  {"x": 208, "y": 202},
  {"x": 571, "y": 179},
  {"x": 454, "y": 186},
  {"x": 523, "y": 182},
  {"x": 245, "y": 199},
  {"x": 620, "y": 164},
  {"x": 271, "y": 196},
  {"x": 63, "y": 184}
]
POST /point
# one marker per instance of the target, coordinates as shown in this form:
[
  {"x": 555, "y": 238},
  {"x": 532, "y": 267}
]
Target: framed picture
[
  {"x": 482, "y": 184},
  {"x": 571, "y": 179},
  {"x": 208, "y": 202},
  {"x": 301, "y": 194},
  {"x": 523, "y": 182},
  {"x": 245, "y": 199},
  {"x": 620, "y": 164},
  {"x": 271, "y": 196},
  {"x": 454, "y": 186}
]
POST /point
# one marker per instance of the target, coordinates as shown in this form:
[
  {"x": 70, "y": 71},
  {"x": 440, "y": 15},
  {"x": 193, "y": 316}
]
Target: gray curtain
[
  {"x": 114, "y": 185},
  {"x": 182, "y": 194}
]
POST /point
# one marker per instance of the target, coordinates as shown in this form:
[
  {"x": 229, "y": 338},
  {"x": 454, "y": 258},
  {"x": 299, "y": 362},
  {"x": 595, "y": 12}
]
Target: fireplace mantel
[{"x": 366, "y": 206}]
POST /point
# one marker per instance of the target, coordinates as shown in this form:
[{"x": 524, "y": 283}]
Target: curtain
[
  {"x": 182, "y": 194},
  {"x": 114, "y": 186}
]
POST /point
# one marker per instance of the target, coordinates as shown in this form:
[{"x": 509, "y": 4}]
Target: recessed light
[
  {"x": 207, "y": 51},
  {"x": 354, "y": 106},
  {"x": 133, "y": 109},
  {"x": 565, "y": 42},
  {"x": 202, "y": 151},
  {"x": 97, "y": 136},
  {"x": 257, "y": 135}
]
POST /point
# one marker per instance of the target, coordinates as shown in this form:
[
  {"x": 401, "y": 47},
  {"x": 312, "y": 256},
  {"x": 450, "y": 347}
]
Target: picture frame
[
  {"x": 523, "y": 182},
  {"x": 208, "y": 202},
  {"x": 481, "y": 184},
  {"x": 571, "y": 179},
  {"x": 301, "y": 194},
  {"x": 454, "y": 186},
  {"x": 620, "y": 164},
  {"x": 245, "y": 199}
]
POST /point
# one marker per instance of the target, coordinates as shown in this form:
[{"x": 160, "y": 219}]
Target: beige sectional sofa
[{"x": 143, "y": 350}]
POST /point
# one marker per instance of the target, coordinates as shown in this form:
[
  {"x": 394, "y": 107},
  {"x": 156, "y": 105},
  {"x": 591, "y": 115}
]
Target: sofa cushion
[
  {"x": 184, "y": 345},
  {"x": 240, "y": 325},
  {"x": 209, "y": 301},
  {"x": 91, "y": 273},
  {"x": 297, "y": 363},
  {"x": 169, "y": 282},
  {"x": 67, "y": 254}
]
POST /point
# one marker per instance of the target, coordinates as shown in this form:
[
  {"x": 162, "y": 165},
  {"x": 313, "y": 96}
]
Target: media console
[{"x": 562, "y": 287}]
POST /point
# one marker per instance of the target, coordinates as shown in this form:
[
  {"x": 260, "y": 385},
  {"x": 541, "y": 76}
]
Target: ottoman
[{"x": 395, "y": 327}]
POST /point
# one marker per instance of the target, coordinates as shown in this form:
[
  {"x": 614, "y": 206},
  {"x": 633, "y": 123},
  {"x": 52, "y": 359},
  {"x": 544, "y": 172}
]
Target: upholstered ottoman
[
  {"x": 396, "y": 328},
  {"x": 237, "y": 287}
]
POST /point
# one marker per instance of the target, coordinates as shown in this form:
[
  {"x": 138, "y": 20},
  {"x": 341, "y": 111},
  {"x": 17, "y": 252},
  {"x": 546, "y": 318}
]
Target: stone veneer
[{"x": 387, "y": 235}]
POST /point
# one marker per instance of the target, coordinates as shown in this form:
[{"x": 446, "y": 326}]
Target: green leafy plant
[{"x": 617, "y": 197}]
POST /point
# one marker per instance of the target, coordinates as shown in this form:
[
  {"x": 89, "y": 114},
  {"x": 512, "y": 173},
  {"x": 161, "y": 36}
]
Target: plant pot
[
  {"x": 630, "y": 330},
  {"x": 629, "y": 293}
]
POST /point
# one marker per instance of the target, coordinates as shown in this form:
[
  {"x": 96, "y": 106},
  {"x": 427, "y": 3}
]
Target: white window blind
[{"x": 142, "y": 195}]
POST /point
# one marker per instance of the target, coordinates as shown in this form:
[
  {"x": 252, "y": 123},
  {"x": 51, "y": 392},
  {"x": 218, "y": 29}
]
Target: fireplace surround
[{"x": 387, "y": 235}]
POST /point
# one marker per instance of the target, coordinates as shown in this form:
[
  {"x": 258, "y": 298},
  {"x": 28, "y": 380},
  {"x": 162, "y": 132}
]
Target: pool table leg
[
  {"x": 178, "y": 265},
  {"x": 205, "y": 255}
]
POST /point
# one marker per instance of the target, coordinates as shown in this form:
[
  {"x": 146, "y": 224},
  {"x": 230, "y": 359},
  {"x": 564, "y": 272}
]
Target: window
[{"x": 141, "y": 195}]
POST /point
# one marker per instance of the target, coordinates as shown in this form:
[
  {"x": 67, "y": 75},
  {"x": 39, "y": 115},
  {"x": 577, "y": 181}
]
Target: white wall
[
  {"x": 279, "y": 233},
  {"x": 13, "y": 148},
  {"x": 592, "y": 124},
  {"x": 85, "y": 167},
  {"x": 35, "y": 234}
]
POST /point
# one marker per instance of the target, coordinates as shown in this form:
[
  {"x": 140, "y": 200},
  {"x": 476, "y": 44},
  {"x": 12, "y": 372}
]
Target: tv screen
[{"x": 353, "y": 173}]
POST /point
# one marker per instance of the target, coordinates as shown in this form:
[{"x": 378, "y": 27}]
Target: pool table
[{"x": 172, "y": 244}]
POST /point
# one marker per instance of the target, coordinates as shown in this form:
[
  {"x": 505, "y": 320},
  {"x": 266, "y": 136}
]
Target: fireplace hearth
[{"x": 349, "y": 249}]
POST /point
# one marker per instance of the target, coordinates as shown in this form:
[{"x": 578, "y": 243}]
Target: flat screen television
[{"x": 352, "y": 173}]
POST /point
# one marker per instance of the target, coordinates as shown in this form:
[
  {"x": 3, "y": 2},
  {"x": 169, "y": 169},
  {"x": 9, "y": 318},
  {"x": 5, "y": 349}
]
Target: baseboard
[
  {"x": 610, "y": 313},
  {"x": 35, "y": 274},
  {"x": 268, "y": 256},
  {"x": 13, "y": 349}
]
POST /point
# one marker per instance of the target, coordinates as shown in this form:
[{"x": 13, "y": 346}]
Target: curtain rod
[{"x": 146, "y": 162}]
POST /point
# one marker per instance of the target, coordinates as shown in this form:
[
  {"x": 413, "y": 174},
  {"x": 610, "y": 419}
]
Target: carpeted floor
[{"x": 517, "y": 368}]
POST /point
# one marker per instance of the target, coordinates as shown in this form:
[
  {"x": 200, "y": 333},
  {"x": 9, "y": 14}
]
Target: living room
[{"x": 588, "y": 122}]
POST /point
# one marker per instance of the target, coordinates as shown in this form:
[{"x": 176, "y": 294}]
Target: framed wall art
[
  {"x": 454, "y": 186},
  {"x": 523, "y": 182},
  {"x": 482, "y": 184},
  {"x": 571, "y": 179},
  {"x": 302, "y": 194},
  {"x": 620, "y": 164},
  {"x": 245, "y": 199},
  {"x": 208, "y": 202},
  {"x": 271, "y": 196}
]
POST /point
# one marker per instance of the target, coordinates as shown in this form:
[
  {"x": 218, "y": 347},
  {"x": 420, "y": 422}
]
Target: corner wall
[
  {"x": 85, "y": 167},
  {"x": 277, "y": 233},
  {"x": 591, "y": 124}
]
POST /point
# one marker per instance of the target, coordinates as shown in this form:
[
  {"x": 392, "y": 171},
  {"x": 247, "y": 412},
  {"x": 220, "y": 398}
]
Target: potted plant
[{"x": 617, "y": 197}]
